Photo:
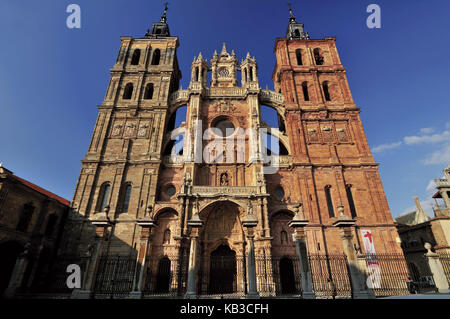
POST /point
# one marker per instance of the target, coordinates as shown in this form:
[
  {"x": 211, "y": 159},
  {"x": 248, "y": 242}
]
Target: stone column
[
  {"x": 437, "y": 270},
  {"x": 18, "y": 272},
  {"x": 250, "y": 222},
  {"x": 91, "y": 269},
  {"x": 195, "y": 224},
  {"x": 147, "y": 225},
  {"x": 357, "y": 277},
  {"x": 299, "y": 223}
]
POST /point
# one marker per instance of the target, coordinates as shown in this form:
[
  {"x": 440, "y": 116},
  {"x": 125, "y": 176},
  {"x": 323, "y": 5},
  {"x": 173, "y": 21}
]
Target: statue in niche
[{"x": 224, "y": 179}]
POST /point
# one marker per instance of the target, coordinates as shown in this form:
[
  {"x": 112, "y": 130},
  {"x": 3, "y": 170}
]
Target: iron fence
[
  {"x": 222, "y": 276},
  {"x": 277, "y": 276},
  {"x": 330, "y": 277},
  {"x": 165, "y": 276},
  {"x": 444, "y": 257},
  {"x": 115, "y": 276},
  {"x": 387, "y": 274}
]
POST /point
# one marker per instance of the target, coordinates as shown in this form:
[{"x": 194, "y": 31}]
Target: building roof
[
  {"x": 412, "y": 218},
  {"x": 41, "y": 190}
]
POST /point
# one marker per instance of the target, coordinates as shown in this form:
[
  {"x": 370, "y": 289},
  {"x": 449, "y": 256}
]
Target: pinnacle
[{"x": 224, "y": 49}]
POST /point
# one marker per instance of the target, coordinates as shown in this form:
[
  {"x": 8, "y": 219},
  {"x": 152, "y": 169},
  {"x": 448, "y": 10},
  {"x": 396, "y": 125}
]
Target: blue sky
[{"x": 52, "y": 78}]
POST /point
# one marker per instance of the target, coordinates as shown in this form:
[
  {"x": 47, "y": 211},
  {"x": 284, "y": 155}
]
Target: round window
[
  {"x": 279, "y": 192},
  {"x": 171, "y": 190},
  {"x": 225, "y": 126},
  {"x": 223, "y": 72}
]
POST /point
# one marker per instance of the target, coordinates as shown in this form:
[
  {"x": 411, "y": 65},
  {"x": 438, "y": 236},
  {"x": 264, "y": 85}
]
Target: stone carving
[
  {"x": 117, "y": 130},
  {"x": 142, "y": 130},
  {"x": 224, "y": 179},
  {"x": 129, "y": 130}
]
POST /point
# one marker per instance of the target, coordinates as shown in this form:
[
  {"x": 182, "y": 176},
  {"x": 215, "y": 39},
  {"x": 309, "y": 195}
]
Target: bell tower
[
  {"x": 327, "y": 143},
  {"x": 119, "y": 173}
]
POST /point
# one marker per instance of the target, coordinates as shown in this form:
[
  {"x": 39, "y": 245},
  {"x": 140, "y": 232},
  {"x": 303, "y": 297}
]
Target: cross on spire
[{"x": 163, "y": 17}]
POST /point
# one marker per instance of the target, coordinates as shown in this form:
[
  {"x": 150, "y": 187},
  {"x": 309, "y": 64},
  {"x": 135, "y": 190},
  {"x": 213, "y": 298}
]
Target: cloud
[
  {"x": 384, "y": 147},
  {"x": 441, "y": 156},
  {"x": 435, "y": 138},
  {"x": 431, "y": 188},
  {"x": 427, "y": 130}
]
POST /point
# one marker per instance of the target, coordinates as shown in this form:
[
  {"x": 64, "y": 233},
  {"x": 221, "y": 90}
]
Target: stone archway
[{"x": 222, "y": 264}]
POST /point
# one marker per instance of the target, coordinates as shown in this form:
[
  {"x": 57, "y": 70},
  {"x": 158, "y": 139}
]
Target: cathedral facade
[{"x": 201, "y": 208}]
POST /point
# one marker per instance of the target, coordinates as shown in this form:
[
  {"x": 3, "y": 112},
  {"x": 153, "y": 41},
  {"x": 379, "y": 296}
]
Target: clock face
[{"x": 223, "y": 72}]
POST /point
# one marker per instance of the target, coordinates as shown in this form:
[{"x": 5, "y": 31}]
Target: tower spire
[
  {"x": 163, "y": 17},
  {"x": 295, "y": 30},
  {"x": 161, "y": 28}
]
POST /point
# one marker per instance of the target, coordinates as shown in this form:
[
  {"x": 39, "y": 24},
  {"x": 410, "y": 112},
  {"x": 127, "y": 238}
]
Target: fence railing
[
  {"x": 226, "y": 276},
  {"x": 115, "y": 275},
  {"x": 444, "y": 257},
  {"x": 330, "y": 276},
  {"x": 387, "y": 274}
]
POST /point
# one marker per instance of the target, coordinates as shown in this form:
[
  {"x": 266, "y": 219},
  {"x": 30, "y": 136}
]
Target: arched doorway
[
  {"x": 163, "y": 277},
  {"x": 287, "y": 277},
  {"x": 222, "y": 277},
  {"x": 9, "y": 252}
]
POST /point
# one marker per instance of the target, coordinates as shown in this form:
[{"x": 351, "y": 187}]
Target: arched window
[
  {"x": 305, "y": 91},
  {"x": 351, "y": 203},
  {"x": 136, "y": 57},
  {"x": 284, "y": 237},
  {"x": 51, "y": 223},
  {"x": 245, "y": 74},
  {"x": 297, "y": 33},
  {"x": 251, "y": 73},
  {"x": 326, "y": 91},
  {"x": 298, "y": 53},
  {"x": 126, "y": 197},
  {"x": 318, "y": 57},
  {"x": 103, "y": 197},
  {"x": 329, "y": 201},
  {"x": 148, "y": 95},
  {"x": 166, "y": 238},
  {"x": 25, "y": 217},
  {"x": 128, "y": 92},
  {"x": 156, "y": 57}
]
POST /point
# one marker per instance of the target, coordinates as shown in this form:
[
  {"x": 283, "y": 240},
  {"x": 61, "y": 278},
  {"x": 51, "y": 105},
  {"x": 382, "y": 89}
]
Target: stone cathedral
[{"x": 206, "y": 207}]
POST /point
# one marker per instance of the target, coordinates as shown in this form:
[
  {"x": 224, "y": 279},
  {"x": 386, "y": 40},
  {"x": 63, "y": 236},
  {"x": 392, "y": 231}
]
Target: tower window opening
[
  {"x": 197, "y": 74},
  {"x": 126, "y": 198},
  {"x": 103, "y": 197},
  {"x": 251, "y": 74},
  {"x": 305, "y": 91},
  {"x": 348, "y": 188},
  {"x": 128, "y": 92},
  {"x": 329, "y": 201},
  {"x": 326, "y": 91},
  {"x": 298, "y": 53},
  {"x": 136, "y": 57},
  {"x": 156, "y": 57},
  {"x": 148, "y": 91},
  {"x": 318, "y": 57}
]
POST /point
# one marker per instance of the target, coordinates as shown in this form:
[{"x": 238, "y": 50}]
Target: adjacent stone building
[
  {"x": 417, "y": 228},
  {"x": 204, "y": 218},
  {"x": 31, "y": 221}
]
